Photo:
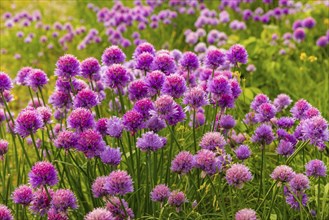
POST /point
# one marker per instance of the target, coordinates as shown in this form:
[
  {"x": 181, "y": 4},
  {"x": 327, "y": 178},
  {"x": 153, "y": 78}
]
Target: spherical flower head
[
  {"x": 316, "y": 130},
  {"x": 174, "y": 85},
  {"x": 293, "y": 202},
  {"x": 5, "y": 82},
  {"x": 86, "y": 98},
  {"x": 41, "y": 201},
  {"x": 101, "y": 126},
  {"x": 113, "y": 55},
  {"x": 263, "y": 135},
  {"x": 132, "y": 120},
  {"x": 155, "y": 123},
  {"x": 99, "y": 214},
  {"x": 45, "y": 113},
  {"x": 81, "y": 119},
  {"x": 23, "y": 75},
  {"x": 189, "y": 61},
  {"x": 299, "y": 182},
  {"x": 283, "y": 173},
  {"x": 285, "y": 148},
  {"x": 63, "y": 199},
  {"x": 22, "y": 195},
  {"x": 176, "y": 116},
  {"x": 177, "y": 199},
  {"x": 182, "y": 163},
  {"x": 259, "y": 100},
  {"x": 90, "y": 68},
  {"x": 144, "y": 47},
  {"x": 144, "y": 61},
  {"x": 237, "y": 54},
  {"x": 285, "y": 122},
  {"x": 28, "y": 121},
  {"x": 37, "y": 79},
  {"x": 237, "y": 175},
  {"x": 164, "y": 105},
  {"x": 299, "y": 34},
  {"x": 235, "y": 88},
  {"x": 299, "y": 109},
  {"x": 116, "y": 76},
  {"x": 322, "y": 41},
  {"x": 281, "y": 102},
  {"x": 227, "y": 122},
  {"x": 246, "y": 214},
  {"x": 220, "y": 85},
  {"x": 59, "y": 99},
  {"x": 151, "y": 141},
  {"x": 98, "y": 187},
  {"x": 212, "y": 141},
  {"x": 3, "y": 147},
  {"x": 5, "y": 213},
  {"x": 52, "y": 214},
  {"x": 119, "y": 183},
  {"x": 144, "y": 106},
  {"x": 66, "y": 140},
  {"x": 114, "y": 127},
  {"x": 154, "y": 81},
  {"x": 137, "y": 89},
  {"x": 43, "y": 173},
  {"x": 114, "y": 205},
  {"x": 309, "y": 22},
  {"x": 111, "y": 156},
  {"x": 164, "y": 63},
  {"x": 160, "y": 193},
  {"x": 67, "y": 66},
  {"x": 265, "y": 112},
  {"x": 195, "y": 97},
  {"x": 316, "y": 168},
  {"x": 7, "y": 96},
  {"x": 215, "y": 58},
  {"x": 206, "y": 160},
  {"x": 91, "y": 143},
  {"x": 242, "y": 152},
  {"x": 312, "y": 112}
]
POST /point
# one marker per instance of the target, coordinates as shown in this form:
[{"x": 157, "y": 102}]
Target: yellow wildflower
[{"x": 303, "y": 56}]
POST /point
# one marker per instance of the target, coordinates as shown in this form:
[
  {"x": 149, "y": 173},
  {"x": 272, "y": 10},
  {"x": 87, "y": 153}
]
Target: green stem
[
  {"x": 30, "y": 91},
  {"x": 35, "y": 146},
  {"x": 221, "y": 203},
  {"x": 261, "y": 174},
  {"x": 266, "y": 195},
  {"x": 194, "y": 137}
]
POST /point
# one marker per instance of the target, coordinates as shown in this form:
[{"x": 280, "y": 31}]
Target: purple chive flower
[
  {"x": 113, "y": 55},
  {"x": 151, "y": 142},
  {"x": 285, "y": 148},
  {"x": 67, "y": 66},
  {"x": 115, "y": 76},
  {"x": 215, "y": 58},
  {"x": 263, "y": 135},
  {"x": 160, "y": 193},
  {"x": 101, "y": 126},
  {"x": 119, "y": 183},
  {"x": 220, "y": 85},
  {"x": 283, "y": 173},
  {"x": 316, "y": 130},
  {"x": 114, "y": 127},
  {"x": 177, "y": 199},
  {"x": 3, "y": 148},
  {"x": 316, "y": 168},
  {"x": 189, "y": 61},
  {"x": 293, "y": 202},
  {"x": 299, "y": 183},
  {"x": 265, "y": 112},
  {"x": 63, "y": 199},
  {"x": 182, "y": 163},
  {"x": 114, "y": 205},
  {"x": 5, "y": 213},
  {"x": 111, "y": 156},
  {"x": 322, "y": 41},
  {"x": 227, "y": 122},
  {"x": 52, "y": 214},
  {"x": 43, "y": 173},
  {"x": 176, "y": 116},
  {"x": 312, "y": 112},
  {"x": 299, "y": 34},
  {"x": 174, "y": 85},
  {"x": 285, "y": 122},
  {"x": 90, "y": 68},
  {"x": 164, "y": 105},
  {"x": 86, "y": 98},
  {"x": 237, "y": 175},
  {"x": 99, "y": 214},
  {"x": 66, "y": 140},
  {"x": 195, "y": 97},
  {"x": 98, "y": 187},
  {"x": 132, "y": 120},
  {"x": 144, "y": 106},
  {"x": 155, "y": 124},
  {"x": 137, "y": 89},
  {"x": 59, "y": 99},
  {"x": 154, "y": 81},
  {"x": 7, "y": 96},
  {"x": 246, "y": 214},
  {"x": 165, "y": 63},
  {"x": 41, "y": 202},
  {"x": 206, "y": 160},
  {"x": 23, "y": 75},
  {"x": 299, "y": 109},
  {"x": 281, "y": 102},
  {"x": 144, "y": 61},
  {"x": 237, "y": 54},
  {"x": 91, "y": 143},
  {"x": 144, "y": 47},
  {"x": 37, "y": 79},
  {"x": 22, "y": 195},
  {"x": 309, "y": 22},
  {"x": 5, "y": 82},
  {"x": 259, "y": 100},
  {"x": 45, "y": 113},
  {"x": 27, "y": 122},
  {"x": 80, "y": 119},
  {"x": 212, "y": 141},
  {"x": 242, "y": 152}
]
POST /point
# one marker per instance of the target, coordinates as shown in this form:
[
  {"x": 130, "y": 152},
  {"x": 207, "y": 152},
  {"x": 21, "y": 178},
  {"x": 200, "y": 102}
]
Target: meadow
[{"x": 164, "y": 109}]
